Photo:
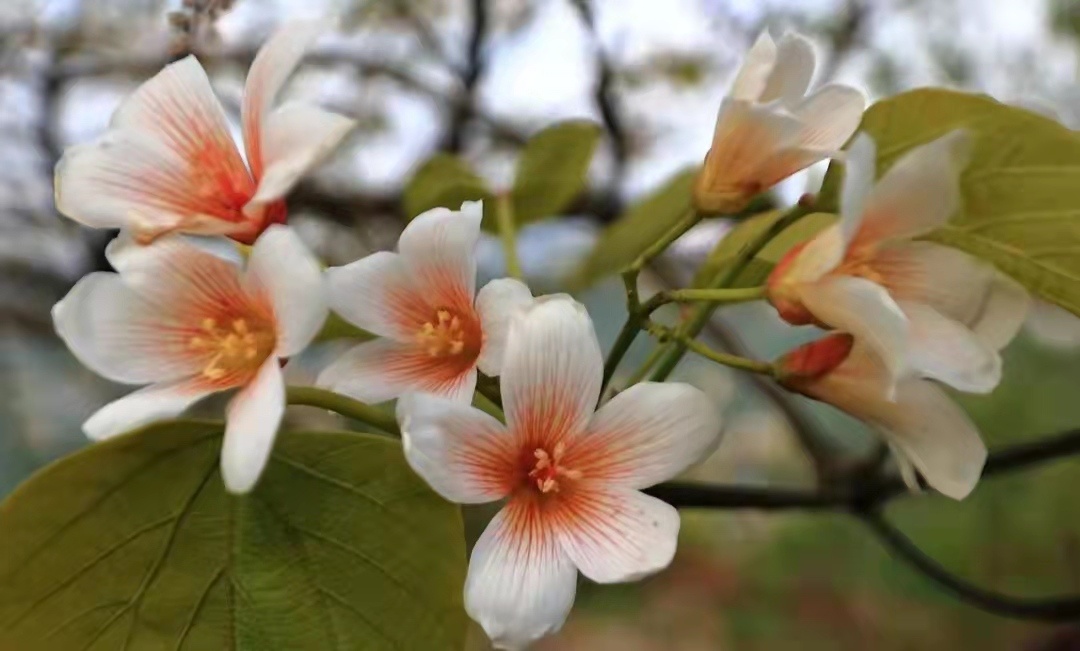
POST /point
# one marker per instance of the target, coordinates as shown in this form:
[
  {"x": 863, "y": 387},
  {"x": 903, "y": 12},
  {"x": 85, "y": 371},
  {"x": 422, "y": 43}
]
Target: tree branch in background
[{"x": 470, "y": 77}]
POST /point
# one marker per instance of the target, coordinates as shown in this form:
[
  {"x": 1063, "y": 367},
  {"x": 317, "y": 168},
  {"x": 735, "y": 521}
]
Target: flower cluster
[{"x": 188, "y": 313}]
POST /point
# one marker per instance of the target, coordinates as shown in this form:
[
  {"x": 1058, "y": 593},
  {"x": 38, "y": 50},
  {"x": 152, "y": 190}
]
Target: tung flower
[
  {"x": 169, "y": 163},
  {"x": 768, "y": 128},
  {"x": 571, "y": 477},
  {"x": 420, "y": 301},
  {"x": 924, "y": 428},
  {"x": 921, "y": 306},
  {"x": 190, "y": 323}
]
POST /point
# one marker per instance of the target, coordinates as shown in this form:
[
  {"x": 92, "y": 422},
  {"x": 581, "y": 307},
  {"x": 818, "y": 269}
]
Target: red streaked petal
[
  {"x": 521, "y": 584},
  {"x": 615, "y": 535},
  {"x": 466, "y": 455},
  {"x": 147, "y": 405},
  {"x": 439, "y": 249},
  {"x": 377, "y": 294},
  {"x": 380, "y": 370}
]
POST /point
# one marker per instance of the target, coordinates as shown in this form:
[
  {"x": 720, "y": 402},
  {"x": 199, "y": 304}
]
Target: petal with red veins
[
  {"x": 147, "y": 405},
  {"x": 380, "y": 370}
]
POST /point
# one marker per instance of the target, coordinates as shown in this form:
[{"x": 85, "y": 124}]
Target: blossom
[
  {"x": 921, "y": 306},
  {"x": 420, "y": 302},
  {"x": 922, "y": 425},
  {"x": 571, "y": 477},
  {"x": 768, "y": 128},
  {"x": 168, "y": 163},
  {"x": 190, "y": 323}
]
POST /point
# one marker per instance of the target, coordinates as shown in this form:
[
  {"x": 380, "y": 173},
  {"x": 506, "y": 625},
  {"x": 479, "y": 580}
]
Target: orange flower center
[
  {"x": 448, "y": 333},
  {"x": 547, "y": 471},
  {"x": 234, "y": 349}
]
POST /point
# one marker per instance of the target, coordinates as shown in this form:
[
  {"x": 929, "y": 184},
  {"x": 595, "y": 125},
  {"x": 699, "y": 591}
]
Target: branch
[
  {"x": 605, "y": 95},
  {"x": 474, "y": 66}
]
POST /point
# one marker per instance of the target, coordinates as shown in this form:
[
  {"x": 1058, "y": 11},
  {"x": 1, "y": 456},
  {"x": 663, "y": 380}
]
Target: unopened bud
[{"x": 813, "y": 360}]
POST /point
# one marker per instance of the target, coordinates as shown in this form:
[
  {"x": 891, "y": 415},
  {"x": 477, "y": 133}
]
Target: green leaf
[
  {"x": 1021, "y": 192},
  {"x": 336, "y": 327},
  {"x": 553, "y": 169},
  {"x": 134, "y": 544},
  {"x": 743, "y": 233},
  {"x": 636, "y": 229},
  {"x": 443, "y": 181}
]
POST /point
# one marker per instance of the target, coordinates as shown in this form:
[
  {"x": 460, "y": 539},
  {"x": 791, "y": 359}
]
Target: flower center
[
  {"x": 547, "y": 471},
  {"x": 238, "y": 347},
  {"x": 444, "y": 334}
]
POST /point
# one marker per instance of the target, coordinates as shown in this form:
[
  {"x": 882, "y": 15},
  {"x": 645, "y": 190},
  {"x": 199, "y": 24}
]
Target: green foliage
[
  {"x": 134, "y": 544},
  {"x": 742, "y": 234},
  {"x": 553, "y": 169},
  {"x": 338, "y": 328},
  {"x": 1021, "y": 190},
  {"x": 444, "y": 181},
  {"x": 637, "y": 229}
]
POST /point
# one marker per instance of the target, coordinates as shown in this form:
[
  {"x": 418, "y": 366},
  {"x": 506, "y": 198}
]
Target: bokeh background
[{"x": 477, "y": 77}]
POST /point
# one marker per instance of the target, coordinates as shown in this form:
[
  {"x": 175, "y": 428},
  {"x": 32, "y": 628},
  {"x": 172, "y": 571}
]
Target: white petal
[
  {"x": 647, "y": 434},
  {"x": 124, "y": 253},
  {"x": 829, "y": 117},
  {"x": 147, "y": 405},
  {"x": 296, "y": 138},
  {"x": 439, "y": 248},
  {"x": 865, "y": 310},
  {"x": 282, "y": 266},
  {"x": 791, "y": 75},
  {"x": 918, "y": 193},
  {"x": 520, "y": 586},
  {"x": 252, "y": 422},
  {"x": 552, "y": 370},
  {"x": 858, "y": 179},
  {"x": 497, "y": 304},
  {"x": 466, "y": 455},
  {"x": 380, "y": 370},
  {"x": 272, "y": 67},
  {"x": 821, "y": 255},
  {"x": 168, "y": 162},
  {"x": 1003, "y": 313},
  {"x": 755, "y": 70},
  {"x": 377, "y": 294},
  {"x": 945, "y": 350},
  {"x": 936, "y": 436},
  {"x": 119, "y": 334},
  {"x": 617, "y": 535}
]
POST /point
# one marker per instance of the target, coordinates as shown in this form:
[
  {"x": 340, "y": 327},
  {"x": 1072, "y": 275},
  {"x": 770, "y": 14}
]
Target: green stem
[
  {"x": 685, "y": 223},
  {"x": 504, "y": 218},
  {"x": 727, "y": 359},
  {"x": 629, "y": 330},
  {"x": 702, "y": 313},
  {"x": 717, "y": 296},
  {"x": 343, "y": 405}
]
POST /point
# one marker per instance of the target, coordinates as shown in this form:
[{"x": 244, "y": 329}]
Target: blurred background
[{"x": 477, "y": 77}]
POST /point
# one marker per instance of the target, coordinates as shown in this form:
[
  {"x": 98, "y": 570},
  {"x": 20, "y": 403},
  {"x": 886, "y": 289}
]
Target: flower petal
[
  {"x": 252, "y": 422},
  {"x": 439, "y": 248},
  {"x": 296, "y": 138},
  {"x": 791, "y": 74},
  {"x": 282, "y": 267},
  {"x": 272, "y": 67},
  {"x": 936, "y": 436},
  {"x": 167, "y": 162},
  {"x": 617, "y": 534},
  {"x": 754, "y": 73},
  {"x": 497, "y": 304},
  {"x": 859, "y": 173},
  {"x": 647, "y": 434},
  {"x": 147, "y": 405},
  {"x": 1003, "y": 313},
  {"x": 552, "y": 370},
  {"x": 521, "y": 585},
  {"x": 377, "y": 294},
  {"x": 865, "y": 310},
  {"x": 119, "y": 334},
  {"x": 829, "y": 117},
  {"x": 380, "y": 370},
  {"x": 463, "y": 453},
  {"x": 947, "y": 351},
  {"x": 918, "y": 193}
]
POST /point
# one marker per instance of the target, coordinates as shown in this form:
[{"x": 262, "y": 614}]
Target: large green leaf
[
  {"x": 1021, "y": 191},
  {"x": 637, "y": 229},
  {"x": 444, "y": 180},
  {"x": 748, "y": 231},
  {"x": 553, "y": 169},
  {"x": 133, "y": 544}
]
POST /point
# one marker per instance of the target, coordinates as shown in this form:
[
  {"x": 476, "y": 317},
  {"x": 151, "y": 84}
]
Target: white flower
[
  {"x": 420, "y": 301},
  {"x": 922, "y": 307},
  {"x": 768, "y": 128},
  {"x": 572, "y": 478},
  {"x": 924, "y": 428},
  {"x": 190, "y": 323},
  {"x": 168, "y": 162}
]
